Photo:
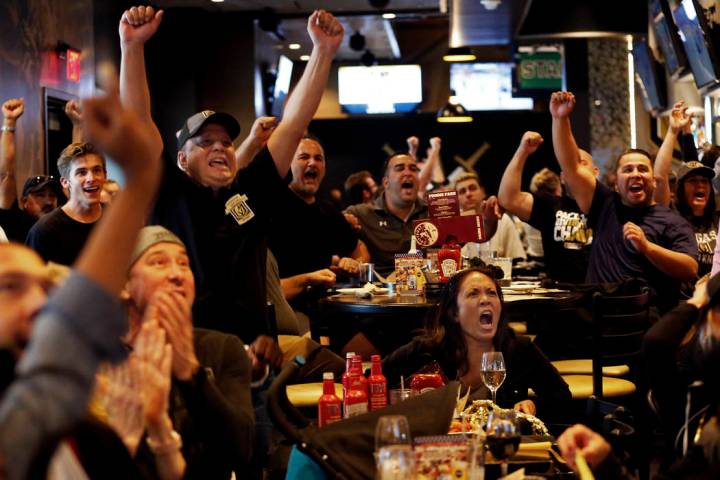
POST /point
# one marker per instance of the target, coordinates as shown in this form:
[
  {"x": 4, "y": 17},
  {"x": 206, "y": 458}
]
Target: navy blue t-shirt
[{"x": 614, "y": 260}]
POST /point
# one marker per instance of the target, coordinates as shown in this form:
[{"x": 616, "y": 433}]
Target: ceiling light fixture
[
  {"x": 459, "y": 54},
  {"x": 304, "y": 58},
  {"x": 453, "y": 112},
  {"x": 294, "y": 46},
  {"x": 357, "y": 42},
  {"x": 217, "y": 1},
  {"x": 490, "y": 4},
  {"x": 389, "y": 16}
]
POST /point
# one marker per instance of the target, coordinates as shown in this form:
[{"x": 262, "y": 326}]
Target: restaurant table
[{"x": 400, "y": 315}]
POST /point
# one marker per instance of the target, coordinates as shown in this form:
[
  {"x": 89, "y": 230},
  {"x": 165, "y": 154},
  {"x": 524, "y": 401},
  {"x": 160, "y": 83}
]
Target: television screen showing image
[
  {"x": 380, "y": 89},
  {"x": 653, "y": 92},
  {"x": 695, "y": 39},
  {"x": 282, "y": 85},
  {"x": 667, "y": 37},
  {"x": 486, "y": 86}
]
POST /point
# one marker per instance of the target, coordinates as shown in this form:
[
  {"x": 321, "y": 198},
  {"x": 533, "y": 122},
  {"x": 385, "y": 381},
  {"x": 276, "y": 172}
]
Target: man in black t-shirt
[
  {"x": 634, "y": 237},
  {"x": 220, "y": 213},
  {"x": 566, "y": 237},
  {"x": 40, "y": 193},
  {"x": 60, "y": 235},
  {"x": 311, "y": 234}
]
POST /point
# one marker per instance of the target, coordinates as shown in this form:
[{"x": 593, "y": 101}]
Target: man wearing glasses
[{"x": 40, "y": 193}]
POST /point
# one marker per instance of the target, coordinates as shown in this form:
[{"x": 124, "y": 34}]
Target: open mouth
[
  {"x": 91, "y": 190},
  {"x": 486, "y": 318},
  {"x": 407, "y": 184},
  {"x": 635, "y": 188},
  {"x": 310, "y": 175},
  {"x": 218, "y": 162},
  {"x": 699, "y": 195}
]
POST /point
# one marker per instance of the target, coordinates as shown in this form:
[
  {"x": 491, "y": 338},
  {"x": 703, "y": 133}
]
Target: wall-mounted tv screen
[
  {"x": 380, "y": 89},
  {"x": 697, "y": 39},
  {"x": 486, "y": 86},
  {"x": 667, "y": 37},
  {"x": 646, "y": 73},
  {"x": 282, "y": 85}
]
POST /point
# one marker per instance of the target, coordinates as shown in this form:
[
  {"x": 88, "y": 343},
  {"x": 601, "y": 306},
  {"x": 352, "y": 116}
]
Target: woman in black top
[{"x": 470, "y": 320}]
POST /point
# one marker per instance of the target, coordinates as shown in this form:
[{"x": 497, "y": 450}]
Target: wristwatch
[{"x": 5, "y": 128}]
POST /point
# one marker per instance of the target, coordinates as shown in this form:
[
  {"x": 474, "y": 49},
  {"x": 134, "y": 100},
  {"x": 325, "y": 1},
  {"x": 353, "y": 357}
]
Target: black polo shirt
[{"x": 226, "y": 238}]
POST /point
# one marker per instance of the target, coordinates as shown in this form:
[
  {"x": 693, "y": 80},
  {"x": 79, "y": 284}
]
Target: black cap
[
  {"x": 38, "y": 182},
  {"x": 194, "y": 123},
  {"x": 694, "y": 168}
]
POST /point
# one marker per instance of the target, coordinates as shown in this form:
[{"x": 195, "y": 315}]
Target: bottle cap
[
  {"x": 375, "y": 358},
  {"x": 328, "y": 376},
  {"x": 349, "y": 354}
]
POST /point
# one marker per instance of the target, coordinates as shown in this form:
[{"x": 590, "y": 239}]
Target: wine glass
[
  {"x": 503, "y": 436},
  {"x": 493, "y": 372},
  {"x": 393, "y": 451}
]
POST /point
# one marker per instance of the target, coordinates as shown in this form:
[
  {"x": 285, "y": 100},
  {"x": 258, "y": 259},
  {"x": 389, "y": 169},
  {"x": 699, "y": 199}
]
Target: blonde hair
[{"x": 545, "y": 182}]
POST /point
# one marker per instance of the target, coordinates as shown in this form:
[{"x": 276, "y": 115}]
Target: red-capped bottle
[
  {"x": 448, "y": 261},
  {"x": 348, "y": 366},
  {"x": 329, "y": 403},
  {"x": 377, "y": 385},
  {"x": 356, "y": 398}
]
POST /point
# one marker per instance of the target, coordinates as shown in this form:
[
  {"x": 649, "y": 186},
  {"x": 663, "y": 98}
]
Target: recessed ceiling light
[
  {"x": 217, "y": 1},
  {"x": 304, "y": 58},
  {"x": 294, "y": 46},
  {"x": 389, "y": 16}
]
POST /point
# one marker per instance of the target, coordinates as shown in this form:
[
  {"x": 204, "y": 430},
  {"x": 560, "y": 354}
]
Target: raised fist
[
  {"x": 561, "y": 104},
  {"x": 139, "y": 24},
  {"x": 325, "y": 30},
  {"x": 530, "y": 142},
  {"x": 13, "y": 109}
]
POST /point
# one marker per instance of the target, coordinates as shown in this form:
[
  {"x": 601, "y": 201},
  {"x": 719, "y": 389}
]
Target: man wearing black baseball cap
[
  {"x": 220, "y": 212},
  {"x": 40, "y": 193}
]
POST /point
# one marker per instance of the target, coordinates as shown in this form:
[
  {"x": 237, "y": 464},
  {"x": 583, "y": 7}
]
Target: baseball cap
[
  {"x": 694, "y": 168},
  {"x": 194, "y": 123},
  {"x": 38, "y": 182},
  {"x": 152, "y": 235}
]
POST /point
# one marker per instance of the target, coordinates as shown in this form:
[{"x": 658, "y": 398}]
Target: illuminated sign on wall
[{"x": 72, "y": 70}]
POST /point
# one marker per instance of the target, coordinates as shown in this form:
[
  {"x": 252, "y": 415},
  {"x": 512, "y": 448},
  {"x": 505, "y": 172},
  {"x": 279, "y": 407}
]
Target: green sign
[{"x": 540, "y": 71}]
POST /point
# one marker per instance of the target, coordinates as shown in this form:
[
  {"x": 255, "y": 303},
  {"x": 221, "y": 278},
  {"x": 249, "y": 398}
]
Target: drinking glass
[
  {"x": 493, "y": 372},
  {"x": 393, "y": 450},
  {"x": 392, "y": 430},
  {"x": 503, "y": 436}
]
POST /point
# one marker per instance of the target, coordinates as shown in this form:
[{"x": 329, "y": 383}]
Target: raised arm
[
  {"x": 511, "y": 197},
  {"x": 679, "y": 119},
  {"x": 118, "y": 133},
  {"x": 579, "y": 180},
  {"x": 429, "y": 169},
  {"x": 12, "y": 110},
  {"x": 326, "y": 33},
  {"x": 74, "y": 112},
  {"x": 137, "y": 26},
  {"x": 260, "y": 133}
]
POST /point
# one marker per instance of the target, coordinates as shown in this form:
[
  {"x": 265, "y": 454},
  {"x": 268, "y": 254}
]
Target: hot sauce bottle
[
  {"x": 356, "y": 398},
  {"x": 377, "y": 385},
  {"x": 348, "y": 366},
  {"x": 329, "y": 403}
]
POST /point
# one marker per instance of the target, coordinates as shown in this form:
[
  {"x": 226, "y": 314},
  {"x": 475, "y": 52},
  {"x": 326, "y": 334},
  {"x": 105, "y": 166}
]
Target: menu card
[{"x": 443, "y": 204}]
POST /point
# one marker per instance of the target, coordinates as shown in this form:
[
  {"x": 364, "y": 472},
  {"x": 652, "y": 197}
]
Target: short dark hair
[
  {"x": 73, "y": 152},
  {"x": 443, "y": 331},
  {"x": 386, "y": 165},
  {"x": 628, "y": 152}
]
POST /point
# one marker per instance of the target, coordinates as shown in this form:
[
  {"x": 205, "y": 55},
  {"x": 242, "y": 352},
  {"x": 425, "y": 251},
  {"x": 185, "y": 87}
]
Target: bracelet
[
  {"x": 161, "y": 448},
  {"x": 5, "y": 128}
]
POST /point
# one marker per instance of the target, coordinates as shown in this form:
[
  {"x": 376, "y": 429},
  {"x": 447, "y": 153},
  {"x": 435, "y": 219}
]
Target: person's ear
[
  {"x": 125, "y": 292},
  {"x": 182, "y": 160},
  {"x": 64, "y": 182},
  {"x": 386, "y": 182}
]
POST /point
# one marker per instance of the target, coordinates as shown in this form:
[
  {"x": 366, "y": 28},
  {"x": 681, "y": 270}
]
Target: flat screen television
[
  {"x": 380, "y": 89},
  {"x": 651, "y": 81},
  {"x": 667, "y": 37},
  {"x": 699, "y": 37},
  {"x": 282, "y": 85},
  {"x": 486, "y": 86}
]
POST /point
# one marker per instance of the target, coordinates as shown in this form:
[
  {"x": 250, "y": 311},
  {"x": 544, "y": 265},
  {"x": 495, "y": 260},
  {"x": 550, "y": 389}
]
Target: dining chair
[{"x": 619, "y": 323}]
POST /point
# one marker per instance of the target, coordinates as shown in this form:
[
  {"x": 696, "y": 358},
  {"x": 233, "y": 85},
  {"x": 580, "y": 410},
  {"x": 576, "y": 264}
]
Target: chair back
[{"x": 619, "y": 324}]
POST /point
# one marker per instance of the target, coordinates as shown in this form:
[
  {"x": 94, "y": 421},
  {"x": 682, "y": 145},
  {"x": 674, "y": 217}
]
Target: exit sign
[{"x": 540, "y": 71}]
